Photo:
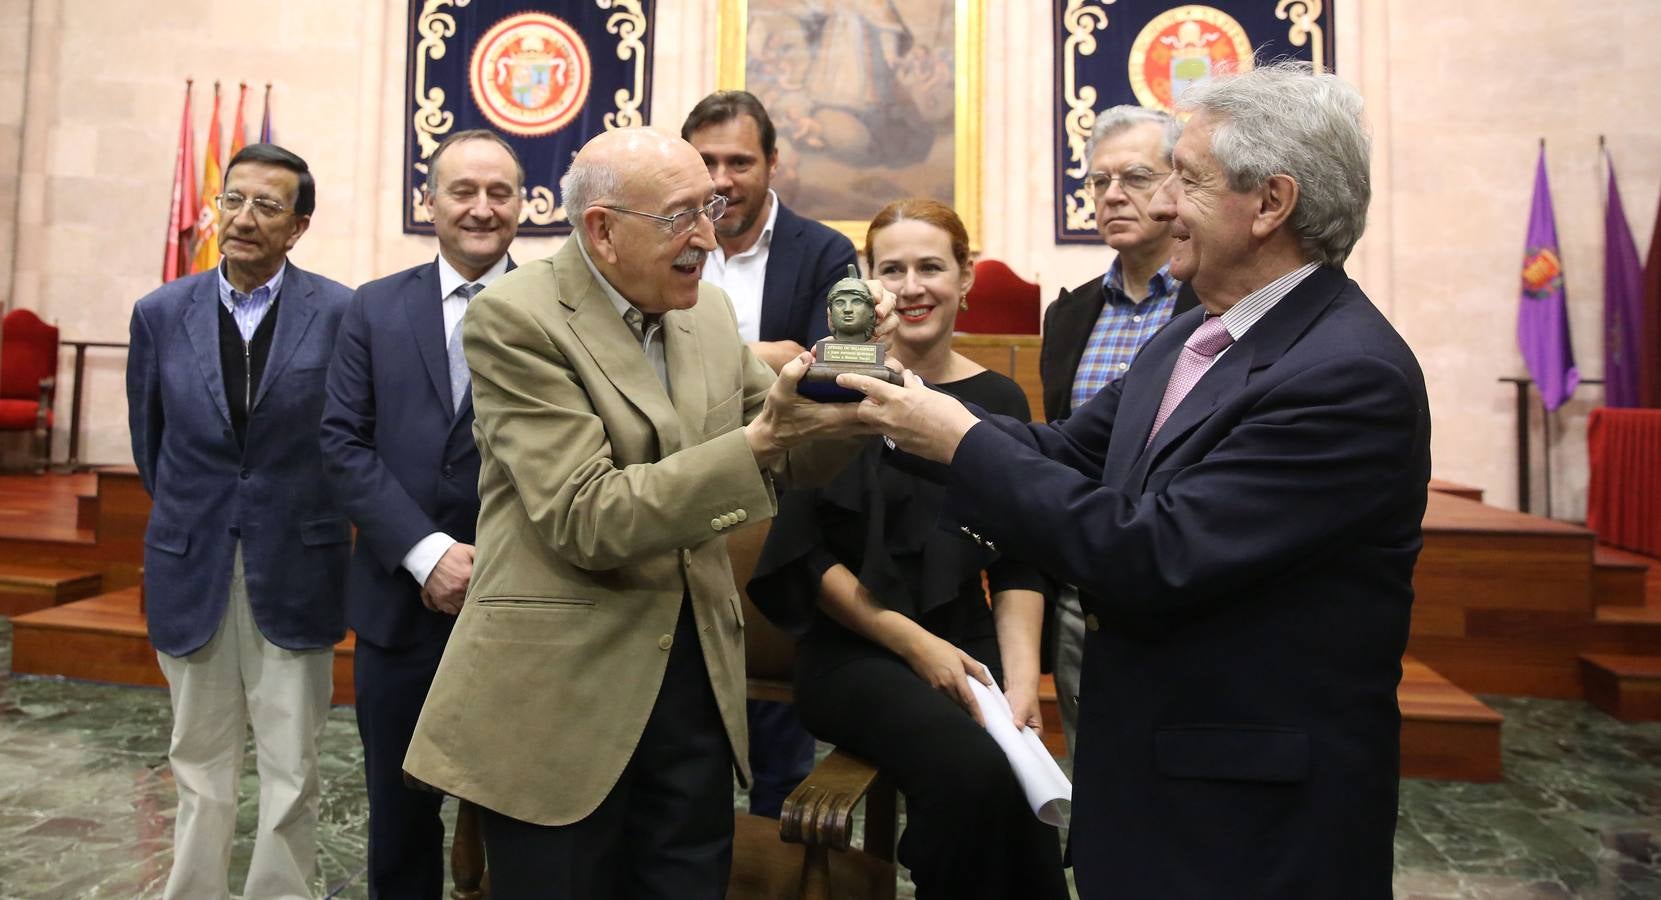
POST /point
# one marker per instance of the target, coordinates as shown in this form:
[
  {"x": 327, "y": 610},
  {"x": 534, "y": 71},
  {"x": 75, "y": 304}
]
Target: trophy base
[{"x": 819, "y": 383}]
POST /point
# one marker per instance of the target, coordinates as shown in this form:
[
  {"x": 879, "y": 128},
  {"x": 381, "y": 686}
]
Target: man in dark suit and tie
[
  {"x": 776, "y": 267},
  {"x": 1242, "y": 515},
  {"x": 398, "y": 450},
  {"x": 1092, "y": 332},
  {"x": 245, "y": 552}
]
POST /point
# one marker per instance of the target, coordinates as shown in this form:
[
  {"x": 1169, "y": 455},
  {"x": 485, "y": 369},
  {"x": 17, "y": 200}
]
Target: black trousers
[
  {"x": 406, "y": 836},
  {"x": 969, "y": 832},
  {"x": 781, "y": 754},
  {"x": 666, "y": 828}
]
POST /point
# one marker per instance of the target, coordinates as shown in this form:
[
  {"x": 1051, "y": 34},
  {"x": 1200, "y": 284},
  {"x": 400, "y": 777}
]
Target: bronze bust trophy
[{"x": 853, "y": 318}]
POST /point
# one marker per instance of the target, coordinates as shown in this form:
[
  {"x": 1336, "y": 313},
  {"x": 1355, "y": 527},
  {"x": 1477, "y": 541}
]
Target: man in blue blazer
[
  {"x": 776, "y": 267},
  {"x": 1242, "y": 515},
  {"x": 398, "y": 450},
  {"x": 245, "y": 552}
]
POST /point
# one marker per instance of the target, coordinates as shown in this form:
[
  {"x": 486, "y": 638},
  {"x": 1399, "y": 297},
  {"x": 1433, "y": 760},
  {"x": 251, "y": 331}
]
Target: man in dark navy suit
[
  {"x": 777, "y": 268},
  {"x": 399, "y": 454},
  {"x": 245, "y": 552},
  {"x": 1241, "y": 513}
]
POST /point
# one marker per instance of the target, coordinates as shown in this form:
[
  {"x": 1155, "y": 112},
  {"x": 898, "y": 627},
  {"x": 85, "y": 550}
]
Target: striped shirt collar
[
  {"x": 1243, "y": 315},
  {"x": 1160, "y": 285},
  {"x": 232, "y": 298}
]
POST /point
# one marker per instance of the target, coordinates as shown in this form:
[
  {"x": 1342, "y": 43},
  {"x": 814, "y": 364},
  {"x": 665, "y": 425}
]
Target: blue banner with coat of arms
[
  {"x": 1146, "y": 52},
  {"x": 545, "y": 75}
]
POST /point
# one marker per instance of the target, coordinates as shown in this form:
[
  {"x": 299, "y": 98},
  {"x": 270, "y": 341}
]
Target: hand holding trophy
[{"x": 853, "y": 318}]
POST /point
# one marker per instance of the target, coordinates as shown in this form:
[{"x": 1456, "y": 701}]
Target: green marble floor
[{"x": 86, "y": 803}]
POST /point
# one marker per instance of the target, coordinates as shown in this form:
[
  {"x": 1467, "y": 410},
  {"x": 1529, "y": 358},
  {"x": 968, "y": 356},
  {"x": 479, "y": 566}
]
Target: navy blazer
[
  {"x": 1248, "y": 579},
  {"x": 400, "y": 459},
  {"x": 208, "y": 493},
  {"x": 803, "y": 261}
]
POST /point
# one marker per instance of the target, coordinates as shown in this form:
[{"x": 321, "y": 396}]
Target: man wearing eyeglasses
[
  {"x": 398, "y": 451},
  {"x": 776, "y": 267},
  {"x": 591, "y": 698},
  {"x": 245, "y": 552},
  {"x": 1092, "y": 332}
]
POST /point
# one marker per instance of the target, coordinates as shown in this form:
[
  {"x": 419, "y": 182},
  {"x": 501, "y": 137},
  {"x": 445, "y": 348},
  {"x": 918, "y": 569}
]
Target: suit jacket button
[
  {"x": 1092, "y": 623},
  {"x": 665, "y": 642},
  {"x": 715, "y": 523},
  {"x": 686, "y": 558},
  {"x": 742, "y": 515},
  {"x": 235, "y": 531},
  {"x": 246, "y": 474},
  {"x": 449, "y": 472}
]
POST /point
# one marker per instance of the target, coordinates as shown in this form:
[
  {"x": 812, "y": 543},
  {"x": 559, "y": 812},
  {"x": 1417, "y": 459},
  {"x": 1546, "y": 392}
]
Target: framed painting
[{"x": 873, "y": 100}]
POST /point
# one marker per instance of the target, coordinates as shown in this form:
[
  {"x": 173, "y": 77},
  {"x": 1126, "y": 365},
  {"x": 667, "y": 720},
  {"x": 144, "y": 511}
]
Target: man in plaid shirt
[{"x": 1092, "y": 332}]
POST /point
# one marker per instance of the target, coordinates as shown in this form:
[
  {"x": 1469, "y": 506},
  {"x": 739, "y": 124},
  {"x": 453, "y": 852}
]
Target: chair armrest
[{"x": 820, "y": 811}]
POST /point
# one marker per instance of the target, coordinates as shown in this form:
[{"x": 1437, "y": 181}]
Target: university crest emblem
[
  {"x": 530, "y": 74},
  {"x": 1542, "y": 273},
  {"x": 1183, "y": 47}
]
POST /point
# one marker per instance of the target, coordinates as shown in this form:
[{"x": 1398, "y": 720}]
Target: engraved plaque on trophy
[{"x": 853, "y": 317}]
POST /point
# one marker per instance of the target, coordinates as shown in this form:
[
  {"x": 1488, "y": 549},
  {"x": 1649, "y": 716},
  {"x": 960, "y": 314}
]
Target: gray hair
[
  {"x": 587, "y": 184},
  {"x": 1116, "y": 119},
  {"x": 1285, "y": 119}
]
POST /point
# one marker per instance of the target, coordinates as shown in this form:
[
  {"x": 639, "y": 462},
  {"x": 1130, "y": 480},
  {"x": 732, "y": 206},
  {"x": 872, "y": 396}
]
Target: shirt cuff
[{"x": 425, "y": 555}]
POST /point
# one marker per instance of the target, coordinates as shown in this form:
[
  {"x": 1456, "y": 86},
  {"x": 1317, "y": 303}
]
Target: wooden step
[
  {"x": 1446, "y": 733},
  {"x": 1457, "y": 490},
  {"x": 104, "y": 638},
  {"x": 86, "y": 512},
  {"x": 1618, "y": 577},
  {"x": 26, "y": 588},
  {"x": 1625, "y": 686},
  {"x": 1625, "y": 630}
]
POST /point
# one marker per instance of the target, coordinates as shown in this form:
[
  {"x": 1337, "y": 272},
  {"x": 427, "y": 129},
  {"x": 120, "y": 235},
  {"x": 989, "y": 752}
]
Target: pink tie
[{"x": 1198, "y": 353}]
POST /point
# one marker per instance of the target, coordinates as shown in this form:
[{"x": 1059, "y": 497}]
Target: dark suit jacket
[
  {"x": 1067, "y": 326},
  {"x": 401, "y": 462},
  {"x": 1251, "y": 577},
  {"x": 803, "y": 261},
  {"x": 208, "y": 493}
]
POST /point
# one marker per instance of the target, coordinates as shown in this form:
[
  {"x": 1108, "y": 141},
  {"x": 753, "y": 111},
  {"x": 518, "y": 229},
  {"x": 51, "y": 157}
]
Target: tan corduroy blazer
[{"x": 604, "y": 500}]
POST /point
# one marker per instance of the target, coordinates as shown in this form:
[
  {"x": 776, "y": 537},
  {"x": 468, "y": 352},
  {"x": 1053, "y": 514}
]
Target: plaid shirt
[{"x": 1122, "y": 328}]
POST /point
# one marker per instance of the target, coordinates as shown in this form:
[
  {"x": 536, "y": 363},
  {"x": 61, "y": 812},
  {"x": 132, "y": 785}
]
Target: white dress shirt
[
  {"x": 424, "y": 556},
  {"x": 743, "y": 275}
]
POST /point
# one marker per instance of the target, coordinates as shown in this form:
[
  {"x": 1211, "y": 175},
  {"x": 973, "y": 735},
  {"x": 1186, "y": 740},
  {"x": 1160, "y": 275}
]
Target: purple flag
[
  {"x": 265, "y": 120},
  {"x": 1623, "y": 302},
  {"x": 1542, "y": 315}
]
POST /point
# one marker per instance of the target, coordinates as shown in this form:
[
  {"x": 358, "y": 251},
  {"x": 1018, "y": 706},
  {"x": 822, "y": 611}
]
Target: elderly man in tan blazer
[{"x": 591, "y": 698}]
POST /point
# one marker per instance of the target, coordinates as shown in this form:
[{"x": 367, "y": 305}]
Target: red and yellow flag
[
  {"x": 239, "y": 131},
  {"x": 207, "y": 219}
]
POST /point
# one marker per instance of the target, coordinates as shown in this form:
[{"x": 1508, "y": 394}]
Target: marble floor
[{"x": 87, "y": 802}]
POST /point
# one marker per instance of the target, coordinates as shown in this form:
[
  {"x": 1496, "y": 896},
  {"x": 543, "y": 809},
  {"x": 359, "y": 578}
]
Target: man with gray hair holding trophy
[{"x": 1241, "y": 513}]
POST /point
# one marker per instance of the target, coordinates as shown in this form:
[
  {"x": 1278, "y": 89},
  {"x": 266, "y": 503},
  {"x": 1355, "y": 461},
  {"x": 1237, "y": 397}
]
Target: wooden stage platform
[{"x": 1507, "y": 604}]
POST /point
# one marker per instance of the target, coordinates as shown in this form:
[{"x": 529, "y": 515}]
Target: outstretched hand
[
  {"x": 919, "y": 420},
  {"x": 788, "y": 419}
]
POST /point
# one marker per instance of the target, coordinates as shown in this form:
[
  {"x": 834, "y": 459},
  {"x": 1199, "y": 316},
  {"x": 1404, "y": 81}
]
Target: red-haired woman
[{"x": 892, "y": 615}]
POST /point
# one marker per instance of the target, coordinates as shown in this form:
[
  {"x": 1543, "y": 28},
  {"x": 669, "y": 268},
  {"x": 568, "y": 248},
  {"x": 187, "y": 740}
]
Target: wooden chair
[
  {"x": 28, "y": 379},
  {"x": 808, "y": 853},
  {"x": 1000, "y": 302}
]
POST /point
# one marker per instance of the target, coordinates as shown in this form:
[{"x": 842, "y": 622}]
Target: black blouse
[{"x": 883, "y": 524}]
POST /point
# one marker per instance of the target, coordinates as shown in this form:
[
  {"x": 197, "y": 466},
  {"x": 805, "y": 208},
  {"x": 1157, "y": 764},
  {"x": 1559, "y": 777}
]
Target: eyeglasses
[
  {"x": 231, "y": 204},
  {"x": 1133, "y": 181},
  {"x": 682, "y": 222}
]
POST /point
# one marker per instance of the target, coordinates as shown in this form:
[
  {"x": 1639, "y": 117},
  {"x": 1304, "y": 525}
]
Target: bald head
[
  {"x": 619, "y": 167},
  {"x": 620, "y": 191}
]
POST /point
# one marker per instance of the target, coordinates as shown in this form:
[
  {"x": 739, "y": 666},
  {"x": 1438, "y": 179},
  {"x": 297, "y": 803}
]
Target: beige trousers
[{"x": 240, "y": 678}]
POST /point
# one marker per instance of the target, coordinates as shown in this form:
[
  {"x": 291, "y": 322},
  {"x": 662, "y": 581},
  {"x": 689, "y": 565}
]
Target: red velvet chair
[
  {"x": 1000, "y": 302},
  {"x": 28, "y": 378}
]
